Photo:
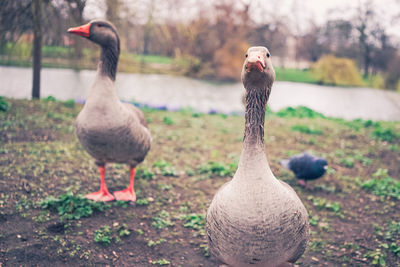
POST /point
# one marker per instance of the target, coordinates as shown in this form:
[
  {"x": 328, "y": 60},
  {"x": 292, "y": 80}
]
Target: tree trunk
[{"x": 37, "y": 47}]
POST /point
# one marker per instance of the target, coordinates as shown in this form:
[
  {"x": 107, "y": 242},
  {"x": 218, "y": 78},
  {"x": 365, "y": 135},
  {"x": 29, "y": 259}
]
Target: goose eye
[
  {"x": 247, "y": 55},
  {"x": 268, "y": 54}
]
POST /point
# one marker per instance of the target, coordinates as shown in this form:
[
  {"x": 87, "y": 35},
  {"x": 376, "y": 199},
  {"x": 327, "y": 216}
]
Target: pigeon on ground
[{"x": 305, "y": 167}]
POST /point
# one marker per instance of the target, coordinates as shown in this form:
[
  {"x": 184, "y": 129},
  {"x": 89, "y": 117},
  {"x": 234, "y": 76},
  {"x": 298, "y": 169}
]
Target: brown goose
[
  {"x": 109, "y": 130},
  {"x": 256, "y": 219}
]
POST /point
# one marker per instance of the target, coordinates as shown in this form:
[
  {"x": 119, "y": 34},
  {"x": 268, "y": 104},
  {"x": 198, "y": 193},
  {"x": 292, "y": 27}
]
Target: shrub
[
  {"x": 228, "y": 60},
  {"x": 4, "y": 105},
  {"x": 337, "y": 71},
  {"x": 384, "y": 134}
]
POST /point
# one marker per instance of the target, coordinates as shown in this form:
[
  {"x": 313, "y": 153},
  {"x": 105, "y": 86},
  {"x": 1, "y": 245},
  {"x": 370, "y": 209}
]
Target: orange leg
[
  {"x": 102, "y": 194},
  {"x": 128, "y": 194}
]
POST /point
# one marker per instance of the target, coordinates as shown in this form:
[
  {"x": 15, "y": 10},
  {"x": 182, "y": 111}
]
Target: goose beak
[
  {"x": 83, "y": 30},
  {"x": 255, "y": 61},
  {"x": 325, "y": 167}
]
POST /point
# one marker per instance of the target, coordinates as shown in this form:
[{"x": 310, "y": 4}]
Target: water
[{"x": 177, "y": 92}]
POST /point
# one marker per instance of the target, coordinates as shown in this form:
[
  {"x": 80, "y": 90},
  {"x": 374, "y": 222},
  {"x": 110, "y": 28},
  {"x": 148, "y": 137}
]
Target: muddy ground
[{"x": 355, "y": 221}]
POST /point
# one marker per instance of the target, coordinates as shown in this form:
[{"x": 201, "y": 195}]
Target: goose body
[
  {"x": 109, "y": 130},
  {"x": 256, "y": 219}
]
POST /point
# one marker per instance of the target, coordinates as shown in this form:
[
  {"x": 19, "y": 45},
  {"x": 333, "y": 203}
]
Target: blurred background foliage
[{"x": 210, "y": 43}]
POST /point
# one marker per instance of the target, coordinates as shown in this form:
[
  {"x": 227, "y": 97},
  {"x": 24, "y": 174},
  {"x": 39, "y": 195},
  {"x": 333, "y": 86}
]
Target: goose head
[
  {"x": 100, "y": 32},
  {"x": 257, "y": 71}
]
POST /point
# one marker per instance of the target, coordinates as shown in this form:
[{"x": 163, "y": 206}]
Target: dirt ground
[{"x": 352, "y": 224}]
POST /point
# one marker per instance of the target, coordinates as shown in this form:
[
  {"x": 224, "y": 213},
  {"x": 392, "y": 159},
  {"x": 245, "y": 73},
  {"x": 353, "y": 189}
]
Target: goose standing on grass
[
  {"x": 109, "y": 130},
  {"x": 256, "y": 219}
]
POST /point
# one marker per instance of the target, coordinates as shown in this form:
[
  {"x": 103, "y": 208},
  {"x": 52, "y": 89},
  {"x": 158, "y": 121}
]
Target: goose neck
[
  {"x": 109, "y": 60},
  {"x": 256, "y": 100}
]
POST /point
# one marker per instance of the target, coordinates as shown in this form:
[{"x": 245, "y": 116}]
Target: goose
[
  {"x": 306, "y": 167},
  {"x": 109, "y": 130},
  {"x": 256, "y": 219}
]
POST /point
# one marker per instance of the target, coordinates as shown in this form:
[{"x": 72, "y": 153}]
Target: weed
[
  {"x": 145, "y": 174},
  {"x": 142, "y": 202},
  {"x": 299, "y": 112},
  {"x": 120, "y": 203},
  {"x": 305, "y": 129},
  {"x": 70, "y": 103},
  {"x": 72, "y": 207},
  {"x": 314, "y": 220},
  {"x": 395, "y": 249},
  {"x": 49, "y": 99},
  {"x": 378, "y": 257},
  {"x": 123, "y": 230},
  {"x": 382, "y": 184},
  {"x": 384, "y": 134},
  {"x": 195, "y": 221},
  {"x": 152, "y": 243},
  {"x": 218, "y": 169},
  {"x": 103, "y": 235},
  {"x": 162, "y": 220},
  {"x": 348, "y": 162},
  {"x": 168, "y": 121},
  {"x": 165, "y": 168},
  {"x": 161, "y": 262},
  {"x": 322, "y": 203},
  {"x": 4, "y": 105}
]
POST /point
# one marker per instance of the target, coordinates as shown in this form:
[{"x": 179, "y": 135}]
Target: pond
[{"x": 176, "y": 92}]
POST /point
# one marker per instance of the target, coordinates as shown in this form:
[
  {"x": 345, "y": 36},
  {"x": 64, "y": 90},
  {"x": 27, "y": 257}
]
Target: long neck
[
  {"x": 109, "y": 60},
  {"x": 256, "y": 100}
]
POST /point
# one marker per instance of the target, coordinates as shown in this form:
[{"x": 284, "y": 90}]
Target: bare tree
[{"x": 37, "y": 46}]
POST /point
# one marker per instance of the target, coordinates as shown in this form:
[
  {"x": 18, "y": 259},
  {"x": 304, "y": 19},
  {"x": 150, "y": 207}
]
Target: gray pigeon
[{"x": 305, "y": 167}]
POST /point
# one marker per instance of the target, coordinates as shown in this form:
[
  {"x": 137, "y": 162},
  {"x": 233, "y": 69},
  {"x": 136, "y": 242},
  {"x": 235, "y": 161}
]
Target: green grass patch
[
  {"x": 212, "y": 169},
  {"x": 306, "y": 129},
  {"x": 299, "y": 112},
  {"x": 382, "y": 184},
  {"x": 295, "y": 75},
  {"x": 194, "y": 220},
  {"x": 384, "y": 134}
]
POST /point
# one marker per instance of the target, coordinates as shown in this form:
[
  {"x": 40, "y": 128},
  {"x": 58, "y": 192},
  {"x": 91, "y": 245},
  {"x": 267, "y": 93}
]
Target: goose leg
[
  {"x": 303, "y": 184},
  {"x": 103, "y": 194},
  {"x": 128, "y": 194}
]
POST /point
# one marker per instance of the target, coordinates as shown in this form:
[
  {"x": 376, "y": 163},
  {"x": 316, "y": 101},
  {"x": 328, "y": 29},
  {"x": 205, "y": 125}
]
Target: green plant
[
  {"x": 299, "y": 112},
  {"x": 162, "y": 220},
  {"x": 49, "y": 99},
  {"x": 306, "y": 129},
  {"x": 382, "y": 184},
  {"x": 314, "y": 220},
  {"x": 142, "y": 202},
  {"x": 72, "y": 207},
  {"x": 103, "y": 235},
  {"x": 70, "y": 103},
  {"x": 145, "y": 174},
  {"x": 322, "y": 203},
  {"x": 4, "y": 105},
  {"x": 195, "y": 221},
  {"x": 348, "y": 162},
  {"x": 165, "y": 168},
  {"x": 168, "y": 121},
  {"x": 123, "y": 230},
  {"x": 221, "y": 169},
  {"x": 378, "y": 257},
  {"x": 161, "y": 262},
  {"x": 152, "y": 243},
  {"x": 384, "y": 134}
]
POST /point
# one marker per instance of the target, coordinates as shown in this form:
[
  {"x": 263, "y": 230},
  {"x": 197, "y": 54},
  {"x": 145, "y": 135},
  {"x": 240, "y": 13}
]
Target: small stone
[
  {"x": 115, "y": 224},
  {"x": 19, "y": 236},
  {"x": 131, "y": 254},
  {"x": 150, "y": 199},
  {"x": 315, "y": 259}
]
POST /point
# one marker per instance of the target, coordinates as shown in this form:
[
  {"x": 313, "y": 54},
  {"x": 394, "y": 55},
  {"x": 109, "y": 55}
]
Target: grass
[
  {"x": 295, "y": 75},
  {"x": 189, "y": 161}
]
